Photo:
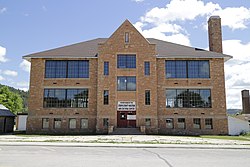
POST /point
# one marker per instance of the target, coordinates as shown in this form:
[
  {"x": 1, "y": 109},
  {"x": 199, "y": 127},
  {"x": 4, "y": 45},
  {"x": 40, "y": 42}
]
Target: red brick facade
[{"x": 156, "y": 82}]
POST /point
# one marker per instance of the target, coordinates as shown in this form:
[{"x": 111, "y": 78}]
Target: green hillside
[{"x": 24, "y": 95}]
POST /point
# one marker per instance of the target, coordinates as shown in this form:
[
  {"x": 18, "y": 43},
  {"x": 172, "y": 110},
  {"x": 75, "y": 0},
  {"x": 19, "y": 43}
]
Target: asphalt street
[{"x": 41, "y": 156}]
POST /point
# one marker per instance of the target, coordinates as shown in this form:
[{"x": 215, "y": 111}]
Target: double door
[{"x": 126, "y": 119}]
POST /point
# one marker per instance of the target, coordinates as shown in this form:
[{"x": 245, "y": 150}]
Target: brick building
[{"x": 128, "y": 81}]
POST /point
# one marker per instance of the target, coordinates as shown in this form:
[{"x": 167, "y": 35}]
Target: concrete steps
[{"x": 127, "y": 131}]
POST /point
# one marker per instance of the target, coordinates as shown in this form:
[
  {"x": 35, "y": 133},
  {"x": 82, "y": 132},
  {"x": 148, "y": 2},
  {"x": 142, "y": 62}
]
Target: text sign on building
[
  {"x": 126, "y": 106},
  {"x": 131, "y": 117}
]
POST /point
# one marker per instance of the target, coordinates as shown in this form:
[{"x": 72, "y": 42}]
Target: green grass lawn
[{"x": 245, "y": 137}]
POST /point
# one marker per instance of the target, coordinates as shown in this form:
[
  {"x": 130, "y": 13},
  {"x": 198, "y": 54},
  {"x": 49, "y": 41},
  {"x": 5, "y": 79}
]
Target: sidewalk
[{"x": 122, "y": 141}]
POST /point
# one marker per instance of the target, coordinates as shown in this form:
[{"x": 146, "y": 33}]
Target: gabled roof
[
  {"x": 89, "y": 49},
  {"x": 78, "y": 50},
  {"x": 4, "y": 112},
  {"x": 172, "y": 50}
]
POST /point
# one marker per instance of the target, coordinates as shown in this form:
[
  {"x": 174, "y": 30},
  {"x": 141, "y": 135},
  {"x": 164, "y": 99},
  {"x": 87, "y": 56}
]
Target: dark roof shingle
[{"x": 89, "y": 49}]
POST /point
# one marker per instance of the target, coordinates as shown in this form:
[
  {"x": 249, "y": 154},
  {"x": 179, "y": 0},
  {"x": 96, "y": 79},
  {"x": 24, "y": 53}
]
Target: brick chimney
[
  {"x": 214, "y": 34},
  {"x": 245, "y": 102}
]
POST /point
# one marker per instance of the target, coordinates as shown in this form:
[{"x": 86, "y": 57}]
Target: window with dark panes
[
  {"x": 67, "y": 69},
  {"x": 126, "y": 61},
  {"x": 188, "y": 98},
  {"x": 66, "y": 98},
  {"x": 55, "y": 69},
  {"x": 84, "y": 69},
  {"x": 50, "y": 69},
  {"x": 187, "y": 69},
  {"x": 106, "y": 68},
  {"x": 147, "y": 97},
  {"x": 198, "y": 69},
  {"x": 176, "y": 69},
  {"x": 146, "y": 68},
  {"x": 125, "y": 83},
  {"x": 105, "y": 97}
]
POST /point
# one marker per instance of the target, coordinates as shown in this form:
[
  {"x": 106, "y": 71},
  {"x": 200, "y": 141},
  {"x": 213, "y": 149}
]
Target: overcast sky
[{"x": 29, "y": 26}]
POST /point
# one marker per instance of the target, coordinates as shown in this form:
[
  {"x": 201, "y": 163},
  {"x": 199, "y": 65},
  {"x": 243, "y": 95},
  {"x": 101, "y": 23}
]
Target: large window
[
  {"x": 125, "y": 83},
  {"x": 67, "y": 69},
  {"x": 188, "y": 98},
  {"x": 66, "y": 98},
  {"x": 126, "y": 61},
  {"x": 187, "y": 69}
]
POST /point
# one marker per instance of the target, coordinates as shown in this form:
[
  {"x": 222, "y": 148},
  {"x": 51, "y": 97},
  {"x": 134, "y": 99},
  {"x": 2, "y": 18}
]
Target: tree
[{"x": 11, "y": 100}]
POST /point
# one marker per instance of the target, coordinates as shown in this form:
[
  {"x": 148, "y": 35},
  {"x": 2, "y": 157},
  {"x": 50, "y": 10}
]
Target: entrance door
[{"x": 126, "y": 119}]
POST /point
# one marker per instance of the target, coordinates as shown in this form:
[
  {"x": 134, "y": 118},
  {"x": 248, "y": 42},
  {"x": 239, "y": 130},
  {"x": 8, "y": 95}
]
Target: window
[
  {"x": 197, "y": 123},
  {"x": 188, "y": 98},
  {"x": 126, "y": 61},
  {"x": 187, "y": 69},
  {"x": 198, "y": 69},
  {"x": 147, "y": 122},
  {"x": 84, "y": 123},
  {"x": 45, "y": 123},
  {"x": 105, "y": 122},
  {"x": 67, "y": 69},
  {"x": 66, "y": 98},
  {"x": 126, "y": 83},
  {"x": 54, "y": 98},
  {"x": 146, "y": 68},
  {"x": 122, "y": 116},
  {"x": 208, "y": 123},
  {"x": 176, "y": 69},
  {"x": 77, "y": 98},
  {"x": 78, "y": 69},
  {"x": 57, "y": 123},
  {"x": 72, "y": 123},
  {"x": 126, "y": 37},
  {"x": 181, "y": 123},
  {"x": 147, "y": 97},
  {"x": 170, "y": 123},
  {"x": 105, "y": 97},
  {"x": 106, "y": 68},
  {"x": 55, "y": 69}
]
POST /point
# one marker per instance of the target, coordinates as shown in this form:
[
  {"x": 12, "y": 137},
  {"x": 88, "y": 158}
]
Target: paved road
[{"x": 46, "y": 156}]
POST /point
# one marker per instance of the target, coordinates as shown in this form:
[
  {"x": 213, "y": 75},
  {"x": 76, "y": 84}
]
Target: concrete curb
[{"x": 122, "y": 145}]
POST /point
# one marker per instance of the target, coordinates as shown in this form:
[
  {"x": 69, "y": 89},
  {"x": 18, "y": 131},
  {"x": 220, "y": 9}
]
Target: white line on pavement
[{"x": 50, "y": 149}]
